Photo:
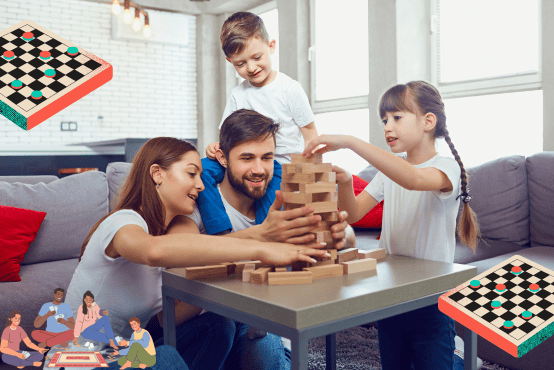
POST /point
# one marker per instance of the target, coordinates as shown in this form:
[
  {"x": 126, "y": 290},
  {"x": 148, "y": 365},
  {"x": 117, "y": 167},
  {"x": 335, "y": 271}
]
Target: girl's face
[
  {"x": 180, "y": 185},
  {"x": 16, "y": 320},
  {"x": 404, "y": 131},
  {"x": 88, "y": 300}
]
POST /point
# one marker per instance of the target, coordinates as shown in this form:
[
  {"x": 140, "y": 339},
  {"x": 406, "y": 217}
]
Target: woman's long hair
[
  {"x": 12, "y": 315},
  {"x": 88, "y": 293},
  {"x": 139, "y": 189}
]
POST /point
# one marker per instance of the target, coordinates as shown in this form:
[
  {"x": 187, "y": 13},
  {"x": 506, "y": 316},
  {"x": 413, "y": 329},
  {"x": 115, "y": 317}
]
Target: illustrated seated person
[
  {"x": 90, "y": 323},
  {"x": 59, "y": 322},
  {"x": 141, "y": 352}
]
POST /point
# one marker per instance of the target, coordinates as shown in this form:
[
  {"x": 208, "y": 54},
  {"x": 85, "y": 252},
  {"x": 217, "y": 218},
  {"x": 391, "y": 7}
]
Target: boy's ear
[
  {"x": 229, "y": 60},
  {"x": 221, "y": 158},
  {"x": 272, "y": 45}
]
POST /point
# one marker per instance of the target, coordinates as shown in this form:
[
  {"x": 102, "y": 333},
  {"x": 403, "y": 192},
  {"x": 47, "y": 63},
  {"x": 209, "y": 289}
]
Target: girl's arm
[
  {"x": 4, "y": 349},
  {"x": 33, "y": 346},
  {"x": 356, "y": 207},
  {"x": 309, "y": 132}
]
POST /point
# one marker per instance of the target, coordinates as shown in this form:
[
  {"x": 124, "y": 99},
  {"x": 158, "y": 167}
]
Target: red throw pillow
[
  {"x": 374, "y": 218},
  {"x": 18, "y": 229}
]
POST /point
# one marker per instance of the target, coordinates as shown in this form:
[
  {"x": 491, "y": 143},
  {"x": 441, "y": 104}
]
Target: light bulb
[
  {"x": 147, "y": 31},
  {"x": 115, "y": 7},
  {"x": 136, "y": 24},
  {"x": 127, "y": 16}
]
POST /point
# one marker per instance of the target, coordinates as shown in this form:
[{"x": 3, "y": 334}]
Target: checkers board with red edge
[
  {"x": 508, "y": 326},
  {"x": 75, "y": 75}
]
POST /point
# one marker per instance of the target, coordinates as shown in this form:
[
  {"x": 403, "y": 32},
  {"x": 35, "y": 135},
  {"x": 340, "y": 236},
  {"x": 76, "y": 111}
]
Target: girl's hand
[
  {"x": 330, "y": 142},
  {"x": 284, "y": 254},
  {"x": 342, "y": 175}
]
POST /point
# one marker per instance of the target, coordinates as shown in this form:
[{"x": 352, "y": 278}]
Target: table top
[{"x": 398, "y": 279}]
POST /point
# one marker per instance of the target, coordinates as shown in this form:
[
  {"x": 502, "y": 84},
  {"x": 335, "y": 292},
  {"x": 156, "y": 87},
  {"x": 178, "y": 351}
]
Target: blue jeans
[
  {"x": 211, "y": 341},
  {"x": 424, "y": 337},
  {"x": 167, "y": 358},
  {"x": 93, "y": 332}
]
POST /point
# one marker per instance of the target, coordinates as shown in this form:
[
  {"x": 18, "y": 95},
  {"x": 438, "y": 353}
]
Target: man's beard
[{"x": 238, "y": 184}]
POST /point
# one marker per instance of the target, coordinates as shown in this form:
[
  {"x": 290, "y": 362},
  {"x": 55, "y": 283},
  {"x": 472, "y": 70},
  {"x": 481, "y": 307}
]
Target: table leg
[
  {"x": 470, "y": 350},
  {"x": 331, "y": 352},
  {"x": 299, "y": 352},
  {"x": 169, "y": 319}
]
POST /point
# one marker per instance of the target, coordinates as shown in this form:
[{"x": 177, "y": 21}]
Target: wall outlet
[{"x": 69, "y": 126}]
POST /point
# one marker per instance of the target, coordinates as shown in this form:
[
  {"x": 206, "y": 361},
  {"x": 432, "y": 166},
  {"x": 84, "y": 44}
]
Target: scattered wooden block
[
  {"x": 205, "y": 272},
  {"x": 230, "y": 267},
  {"x": 322, "y": 263},
  {"x": 239, "y": 266},
  {"x": 299, "y": 158},
  {"x": 377, "y": 253},
  {"x": 351, "y": 267},
  {"x": 347, "y": 255},
  {"x": 317, "y": 187},
  {"x": 259, "y": 276},
  {"x": 286, "y": 278},
  {"x": 248, "y": 268},
  {"x": 280, "y": 269},
  {"x": 320, "y": 272}
]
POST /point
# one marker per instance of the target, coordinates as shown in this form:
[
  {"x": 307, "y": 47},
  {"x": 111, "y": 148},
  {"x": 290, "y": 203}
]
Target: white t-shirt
[
  {"x": 420, "y": 224},
  {"x": 238, "y": 220},
  {"x": 124, "y": 288},
  {"x": 284, "y": 101}
]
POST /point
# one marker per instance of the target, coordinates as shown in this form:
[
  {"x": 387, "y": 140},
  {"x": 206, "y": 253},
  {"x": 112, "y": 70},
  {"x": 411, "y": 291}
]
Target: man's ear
[
  {"x": 156, "y": 173},
  {"x": 430, "y": 122},
  {"x": 221, "y": 158}
]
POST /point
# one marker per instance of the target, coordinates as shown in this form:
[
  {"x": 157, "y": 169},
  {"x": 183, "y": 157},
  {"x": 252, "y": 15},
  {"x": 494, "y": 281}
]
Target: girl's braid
[{"x": 458, "y": 159}]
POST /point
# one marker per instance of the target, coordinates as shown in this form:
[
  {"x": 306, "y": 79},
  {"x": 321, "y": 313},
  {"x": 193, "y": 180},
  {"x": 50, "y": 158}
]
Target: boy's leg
[
  {"x": 43, "y": 336},
  {"x": 393, "y": 344},
  {"x": 263, "y": 204},
  {"x": 209, "y": 201},
  {"x": 142, "y": 356},
  {"x": 59, "y": 338},
  {"x": 265, "y": 353},
  {"x": 432, "y": 338},
  {"x": 205, "y": 341}
]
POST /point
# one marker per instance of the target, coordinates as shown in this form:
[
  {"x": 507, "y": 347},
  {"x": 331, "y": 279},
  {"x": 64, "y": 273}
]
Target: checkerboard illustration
[
  {"x": 41, "y": 74},
  {"x": 511, "y": 305},
  {"x": 77, "y": 359}
]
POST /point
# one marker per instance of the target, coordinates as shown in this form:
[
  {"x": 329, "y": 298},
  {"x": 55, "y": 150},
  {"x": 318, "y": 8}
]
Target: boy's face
[{"x": 254, "y": 62}]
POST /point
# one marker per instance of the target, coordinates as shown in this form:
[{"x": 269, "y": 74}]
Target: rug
[{"x": 357, "y": 349}]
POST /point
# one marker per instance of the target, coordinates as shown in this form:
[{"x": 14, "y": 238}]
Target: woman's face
[
  {"x": 16, "y": 320},
  {"x": 180, "y": 185},
  {"x": 88, "y": 300}
]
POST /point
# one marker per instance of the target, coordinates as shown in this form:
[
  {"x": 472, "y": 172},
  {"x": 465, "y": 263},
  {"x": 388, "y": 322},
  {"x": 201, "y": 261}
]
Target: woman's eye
[{"x": 192, "y": 174}]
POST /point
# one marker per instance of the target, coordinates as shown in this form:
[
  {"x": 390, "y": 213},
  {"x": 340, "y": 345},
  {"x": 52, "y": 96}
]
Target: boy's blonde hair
[{"x": 237, "y": 31}]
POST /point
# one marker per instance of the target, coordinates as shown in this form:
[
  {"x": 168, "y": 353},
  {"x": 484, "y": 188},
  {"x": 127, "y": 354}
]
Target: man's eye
[{"x": 258, "y": 58}]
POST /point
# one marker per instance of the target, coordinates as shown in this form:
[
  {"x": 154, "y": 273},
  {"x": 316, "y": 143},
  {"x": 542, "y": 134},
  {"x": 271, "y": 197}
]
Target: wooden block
[
  {"x": 324, "y": 197},
  {"x": 324, "y": 236},
  {"x": 259, "y": 276},
  {"x": 299, "y": 158},
  {"x": 351, "y": 267},
  {"x": 298, "y": 198},
  {"x": 347, "y": 255},
  {"x": 323, "y": 207},
  {"x": 324, "y": 225},
  {"x": 320, "y": 272},
  {"x": 239, "y": 266},
  {"x": 205, "y": 272},
  {"x": 326, "y": 177},
  {"x": 299, "y": 178},
  {"x": 289, "y": 206},
  {"x": 246, "y": 274},
  {"x": 286, "y": 278},
  {"x": 377, "y": 253},
  {"x": 330, "y": 216},
  {"x": 288, "y": 168},
  {"x": 230, "y": 267},
  {"x": 322, "y": 263},
  {"x": 280, "y": 269},
  {"x": 289, "y": 186},
  {"x": 299, "y": 265},
  {"x": 318, "y": 187},
  {"x": 314, "y": 168}
]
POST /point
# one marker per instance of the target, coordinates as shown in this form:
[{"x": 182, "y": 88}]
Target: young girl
[
  {"x": 123, "y": 255},
  {"x": 12, "y": 336},
  {"x": 90, "y": 322},
  {"x": 421, "y": 195}
]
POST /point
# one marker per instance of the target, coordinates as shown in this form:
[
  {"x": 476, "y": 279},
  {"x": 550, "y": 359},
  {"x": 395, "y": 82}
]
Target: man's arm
[
  {"x": 70, "y": 323},
  {"x": 40, "y": 320}
]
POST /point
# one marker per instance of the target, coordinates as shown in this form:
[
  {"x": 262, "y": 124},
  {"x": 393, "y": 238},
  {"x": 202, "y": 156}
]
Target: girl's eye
[{"x": 397, "y": 117}]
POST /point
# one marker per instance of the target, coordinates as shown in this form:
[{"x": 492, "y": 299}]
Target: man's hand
[
  {"x": 211, "y": 149},
  {"x": 115, "y": 353},
  {"x": 288, "y": 226},
  {"x": 51, "y": 313},
  {"x": 61, "y": 321},
  {"x": 123, "y": 343}
]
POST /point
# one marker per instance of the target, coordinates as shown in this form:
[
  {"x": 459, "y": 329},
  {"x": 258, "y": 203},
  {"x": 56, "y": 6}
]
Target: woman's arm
[
  {"x": 79, "y": 322},
  {"x": 33, "y": 346},
  {"x": 4, "y": 349}
]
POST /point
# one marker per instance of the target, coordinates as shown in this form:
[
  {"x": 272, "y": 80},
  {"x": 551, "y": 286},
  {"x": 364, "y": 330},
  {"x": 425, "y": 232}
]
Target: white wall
[{"x": 153, "y": 90}]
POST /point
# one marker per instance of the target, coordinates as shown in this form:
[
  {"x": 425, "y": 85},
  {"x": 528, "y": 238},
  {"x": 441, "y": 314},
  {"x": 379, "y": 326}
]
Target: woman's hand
[
  {"x": 21, "y": 356},
  {"x": 105, "y": 313},
  {"x": 42, "y": 350},
  {"x": 330, "y": 142},
  {"x": 76, "y": 341},
  {"x": 281, "y": 254}
]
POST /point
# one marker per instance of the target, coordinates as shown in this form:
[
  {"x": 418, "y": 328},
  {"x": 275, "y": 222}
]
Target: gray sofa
[{"x": 513, "y": 197}]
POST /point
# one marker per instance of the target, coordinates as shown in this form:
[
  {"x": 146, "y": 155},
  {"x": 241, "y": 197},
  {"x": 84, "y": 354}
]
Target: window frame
[{"x": 484, "y": 86}]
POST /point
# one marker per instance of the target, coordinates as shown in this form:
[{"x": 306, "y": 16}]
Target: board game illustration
[
  {"x": 77, "y": 359},
  {"x": 511, "y": 305},
  {"x": 42, "y": 73}
]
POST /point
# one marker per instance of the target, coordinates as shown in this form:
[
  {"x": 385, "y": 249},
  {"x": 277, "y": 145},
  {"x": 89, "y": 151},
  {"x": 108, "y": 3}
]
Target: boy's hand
[{"x": 211, "y": 149}]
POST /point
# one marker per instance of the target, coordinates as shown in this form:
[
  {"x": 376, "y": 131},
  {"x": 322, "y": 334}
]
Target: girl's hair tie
[{"x": 465, "y": 197}]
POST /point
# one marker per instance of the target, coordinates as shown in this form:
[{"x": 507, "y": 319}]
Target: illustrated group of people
[{"x": 229, "y": 206}]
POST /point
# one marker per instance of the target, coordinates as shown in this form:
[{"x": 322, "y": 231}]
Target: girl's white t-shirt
[
  {"x": 420, "y": 224},
  {"x": 124, "y": 288},
  {"x": 284, "y": 101}
]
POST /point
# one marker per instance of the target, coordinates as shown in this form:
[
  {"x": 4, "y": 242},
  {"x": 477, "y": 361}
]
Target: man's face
[
  {"x": 250, "y": 166},
  {"x": 58, "y": 296}
]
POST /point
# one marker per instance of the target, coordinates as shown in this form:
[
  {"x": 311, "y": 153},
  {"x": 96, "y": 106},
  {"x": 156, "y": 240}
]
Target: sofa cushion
[
  {"x": 36, "y": 287},
  {"x": 540, "y": 179},
  {"x": 29, "y": 179},
  {"x": 73, "y": 205},
  {"x": 18, "y": 229},
  {"x": 500, "y": 199},
  {"x": 486, "y": 248},
  {"x": 117, "y": 173}
]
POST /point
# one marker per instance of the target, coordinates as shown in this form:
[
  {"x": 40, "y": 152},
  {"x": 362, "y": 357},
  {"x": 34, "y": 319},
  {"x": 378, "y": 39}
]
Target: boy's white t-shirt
[
  {"x": 284, "y": 101},
  {"x": 124, "y": 288},
  {"x": 420, "y": 224}
]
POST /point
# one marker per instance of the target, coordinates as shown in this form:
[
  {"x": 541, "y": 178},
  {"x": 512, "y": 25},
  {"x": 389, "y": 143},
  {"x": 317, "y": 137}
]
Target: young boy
[{"x": 247, "y": 47}]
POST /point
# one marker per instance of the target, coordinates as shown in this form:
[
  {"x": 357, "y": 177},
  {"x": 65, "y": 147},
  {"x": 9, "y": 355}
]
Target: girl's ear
[
  {"x": 430, "y": 121},
  {"x": 156, "y": 173}
]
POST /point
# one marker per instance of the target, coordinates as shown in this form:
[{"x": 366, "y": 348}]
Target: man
[
  {"x": 141, "y": 352},
  {"x": 59, "y": 322}
]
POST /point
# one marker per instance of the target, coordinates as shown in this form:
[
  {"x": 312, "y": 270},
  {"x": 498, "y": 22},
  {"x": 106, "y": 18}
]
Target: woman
[
  {"x": 12, "y": 335},
  {"x": 124, "y": 253},
  {"x": 90, "y": 322}
]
